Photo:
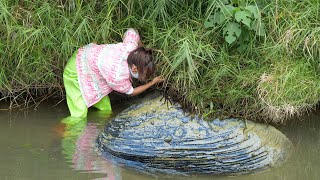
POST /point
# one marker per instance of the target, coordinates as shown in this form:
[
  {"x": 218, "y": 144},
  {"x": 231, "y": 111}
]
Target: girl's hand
[{"x": 158, "y": 79}]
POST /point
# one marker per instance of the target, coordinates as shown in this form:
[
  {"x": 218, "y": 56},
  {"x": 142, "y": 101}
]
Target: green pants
[{"x": 76, "y": 104}]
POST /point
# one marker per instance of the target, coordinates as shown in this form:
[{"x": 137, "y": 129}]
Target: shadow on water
[{"x": 36, "y": 145}]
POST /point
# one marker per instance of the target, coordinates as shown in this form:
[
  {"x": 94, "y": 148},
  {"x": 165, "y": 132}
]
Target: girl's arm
[{"x": 144, "y": 87}]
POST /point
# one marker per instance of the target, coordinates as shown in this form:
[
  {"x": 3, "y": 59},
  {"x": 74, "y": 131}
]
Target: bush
[{"x": 232, "y": 66}]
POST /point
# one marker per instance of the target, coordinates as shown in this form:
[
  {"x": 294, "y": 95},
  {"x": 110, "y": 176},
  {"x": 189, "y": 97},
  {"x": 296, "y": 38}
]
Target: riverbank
[{"x": 267, "y": 72}]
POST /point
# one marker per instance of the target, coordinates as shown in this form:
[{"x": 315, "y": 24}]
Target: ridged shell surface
[{"x": 155, "y": 136}]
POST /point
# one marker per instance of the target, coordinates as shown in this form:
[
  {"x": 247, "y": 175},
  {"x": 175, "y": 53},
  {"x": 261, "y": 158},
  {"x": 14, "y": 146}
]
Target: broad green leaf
[
  {"x": 244, "y": 17},
  {"x": 230, "y": 38},
  {"x": 209, "y": 23},
  {"x": 232, "y": 28},
  {"x": 254, "y": 10},
  {"x": 231, "y": 31},
  {"x": 227, "y": 11},
  {"x": 218, "y": 18}
]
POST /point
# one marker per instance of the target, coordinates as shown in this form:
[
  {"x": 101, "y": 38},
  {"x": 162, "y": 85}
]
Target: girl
[{"x": 94, "y": 71}]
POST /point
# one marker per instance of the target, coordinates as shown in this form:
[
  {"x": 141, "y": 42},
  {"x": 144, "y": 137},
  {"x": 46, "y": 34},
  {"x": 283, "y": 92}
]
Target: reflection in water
[{"x": 78, "y": 143}]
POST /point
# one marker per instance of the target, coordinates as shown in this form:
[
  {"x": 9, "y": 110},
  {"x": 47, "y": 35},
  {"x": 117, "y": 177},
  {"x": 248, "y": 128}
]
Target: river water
[{"x": 35, "y": 145}]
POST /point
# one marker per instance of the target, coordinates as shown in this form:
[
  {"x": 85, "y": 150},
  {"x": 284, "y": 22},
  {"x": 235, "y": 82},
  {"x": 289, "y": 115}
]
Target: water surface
[{"x": 35, "y": 145}]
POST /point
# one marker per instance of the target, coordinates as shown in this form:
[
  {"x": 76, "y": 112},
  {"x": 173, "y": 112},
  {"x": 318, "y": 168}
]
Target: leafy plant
[
  {"x": 238, "y": 21},
  {"x": 37, "y": 38}
]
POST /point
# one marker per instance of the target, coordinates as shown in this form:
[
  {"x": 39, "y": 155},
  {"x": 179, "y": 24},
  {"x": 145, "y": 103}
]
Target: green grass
[{"x": 273, "y": 79}]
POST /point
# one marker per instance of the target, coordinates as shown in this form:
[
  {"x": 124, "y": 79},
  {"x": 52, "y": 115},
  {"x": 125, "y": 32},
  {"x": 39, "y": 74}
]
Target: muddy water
[{"x": 35, "y": 145}]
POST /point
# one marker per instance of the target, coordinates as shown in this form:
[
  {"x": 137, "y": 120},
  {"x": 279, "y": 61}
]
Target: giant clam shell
[{"x": 159, "y": 137}]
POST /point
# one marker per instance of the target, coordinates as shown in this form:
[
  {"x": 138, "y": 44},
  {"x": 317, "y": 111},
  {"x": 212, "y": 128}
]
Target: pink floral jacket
[{"x": 104, "y": 68}]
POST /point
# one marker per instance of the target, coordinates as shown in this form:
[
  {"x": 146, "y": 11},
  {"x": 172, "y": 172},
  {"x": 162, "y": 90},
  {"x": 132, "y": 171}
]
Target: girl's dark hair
[{"x": 142, "y": 58}]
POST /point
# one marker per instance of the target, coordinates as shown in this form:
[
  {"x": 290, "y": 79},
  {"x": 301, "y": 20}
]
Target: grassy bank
[{"x": 269, "y": 72}]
